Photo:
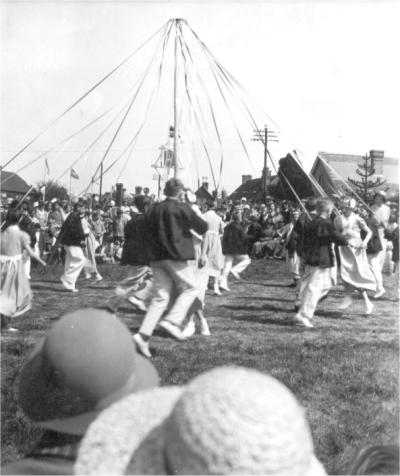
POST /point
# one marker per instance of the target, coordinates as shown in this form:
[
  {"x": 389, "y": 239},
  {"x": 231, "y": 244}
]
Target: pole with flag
[{"x": 72, "y": 175}]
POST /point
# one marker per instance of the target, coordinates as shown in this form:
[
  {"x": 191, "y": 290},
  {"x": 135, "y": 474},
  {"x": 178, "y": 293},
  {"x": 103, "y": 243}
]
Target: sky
[{"x": 325, "y": 73}]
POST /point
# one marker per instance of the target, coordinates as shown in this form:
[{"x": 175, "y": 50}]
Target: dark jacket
[
  {"x": 292, "y": 242},
  {"x": 71, "y": 233},
  {"x": 169, "y": 224},
  {"x": 234, "y": 240},
  {"x": 319, "y": 250},
  {"x": 135, "y": 244},
  {"x": 301, "y": 231}
]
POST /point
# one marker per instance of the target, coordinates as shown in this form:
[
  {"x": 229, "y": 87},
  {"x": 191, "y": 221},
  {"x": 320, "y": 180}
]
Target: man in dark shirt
[
  {"x": 72, "y": 238},
  {"x": 170, "y": 249},
  {"x": 319, "y": 261}
]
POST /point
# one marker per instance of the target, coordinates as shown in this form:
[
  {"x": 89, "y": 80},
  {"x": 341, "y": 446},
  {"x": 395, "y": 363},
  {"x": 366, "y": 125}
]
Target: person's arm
[
  {"x": 26, "y": 246},
  {"x": 197, "y": 223},
  {"x": 367, "y": 230}
]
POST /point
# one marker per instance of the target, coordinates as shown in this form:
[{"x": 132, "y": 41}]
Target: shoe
[
  {"x": 142, "y": 345},
  {"x": 205, "y": 330},
  {"x": 235, "y": 274},
  {"x": 302, "y": 321},
  {"x": 292, "y": 285},
  {"x": 88, "y": 276},
  {"x": 67, "y": 287},
  {"x": 98, "y": 278},
  {"x": 379, "y": 294},
  {"x": 224, "y": 286},
  {"x": 370, "y": 308},
  {"x": 138, "y": 303},
  {"x": 217, "y": 292},
  {"x": 172, "y": 329},
  {"x": 12, "y": 329},
  {"x": 296, "y": 307},
  {"x": 189, "y": 330},
  {"x": 347, "y": 302}
]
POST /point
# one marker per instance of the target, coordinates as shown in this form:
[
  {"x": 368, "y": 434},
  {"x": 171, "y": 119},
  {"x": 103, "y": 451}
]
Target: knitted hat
[
  {"x": 87, "y": 361},
  {"x": 229, "y": 420}
]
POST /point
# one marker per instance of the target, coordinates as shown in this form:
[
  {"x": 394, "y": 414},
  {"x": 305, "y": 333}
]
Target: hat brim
[
  {"x": 33, "y": 381},
  {"x": 133, "y": 426},
  {"x": 129, "y": 437}
]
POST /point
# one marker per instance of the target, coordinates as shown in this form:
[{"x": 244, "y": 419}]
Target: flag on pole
[
  {"x": 74, "y": 174},
  {"x": 46, "y": 164}
]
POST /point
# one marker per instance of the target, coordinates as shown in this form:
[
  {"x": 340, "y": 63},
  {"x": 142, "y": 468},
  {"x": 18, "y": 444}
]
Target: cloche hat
[
  {"x": 229, "y": 420},
  {"x": 87, "y": 361}
]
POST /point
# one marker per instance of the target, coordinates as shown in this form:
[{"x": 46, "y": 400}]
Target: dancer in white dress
[
  {"x": 212, "y": 243},
  {"x": 354, "y": 267}
]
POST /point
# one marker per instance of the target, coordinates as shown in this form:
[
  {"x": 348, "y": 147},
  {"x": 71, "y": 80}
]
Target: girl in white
[
  {"x": 90, "y": 267},
  {"x": 354, "y": 267},
  {"x": 380, "y": 214},
  {"x": 15, "y": 294},
  {"x": 212, "y": 242}
]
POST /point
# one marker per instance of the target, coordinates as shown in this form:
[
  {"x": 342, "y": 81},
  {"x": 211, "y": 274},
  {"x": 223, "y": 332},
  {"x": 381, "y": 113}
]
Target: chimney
[
  {"x": 246, "y": 178},
  {"x": 377, "y": 156},
  {"x": 205, "y": 182}
]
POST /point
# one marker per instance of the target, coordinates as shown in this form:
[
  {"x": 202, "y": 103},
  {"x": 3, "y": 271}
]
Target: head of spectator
[
  {"x": 119, "y": 213},
  {"x": 35, "y": 206},
  {"x": 174, "y": 188},
  {"x": 379, "y": 198},
  {"x": 229, "y": 420},
  {"x": 376, "y": 460},
  {"x": 142, "y": 203},
  {"x": 95, "y": 216},
  {"x": 86, "y": 362},
  {"x": 237, "y": 215},
  {"x": 41, "y": 205},
  {"x": 146, "y": 191},
  {"x": 294, "y": 215},
  {"x": 311, "y": 204},
  {"x": 36, "y": 226}
]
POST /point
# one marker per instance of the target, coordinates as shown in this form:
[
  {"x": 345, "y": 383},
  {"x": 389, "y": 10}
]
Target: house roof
[
  {"x": 11, "y": 182},
  {"x": 251, "y": 190},
  {"x": 203, "y": 193}
]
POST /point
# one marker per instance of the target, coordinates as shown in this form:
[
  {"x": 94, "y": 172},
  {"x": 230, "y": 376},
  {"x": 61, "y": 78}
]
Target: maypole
[{"x": 176, "y": 137}]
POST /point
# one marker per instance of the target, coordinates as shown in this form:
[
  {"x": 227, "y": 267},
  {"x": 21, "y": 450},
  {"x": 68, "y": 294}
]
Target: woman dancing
[
  {"x": 354, "y": 267},
  {"x": 16, "y": 294}
]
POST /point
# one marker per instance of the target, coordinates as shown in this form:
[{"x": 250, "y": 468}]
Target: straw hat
[
  {"x": 87, "y": 361},
  {"x": 349, "y": 203},
  {"x": 229, "y": 420}
]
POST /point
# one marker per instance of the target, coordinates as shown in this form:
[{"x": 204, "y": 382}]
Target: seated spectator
[
  {"x": 265, "y": 247},
  {"x": 86, "y": 362},
  {"x": 248, "y": 423}
]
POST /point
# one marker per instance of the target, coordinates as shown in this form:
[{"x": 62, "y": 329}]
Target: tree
[
  {"x": 53, "y": 189},
  {"x": 366, "y": 187}
]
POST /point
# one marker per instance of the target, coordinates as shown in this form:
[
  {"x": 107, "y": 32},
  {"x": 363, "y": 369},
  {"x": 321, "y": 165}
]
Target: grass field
[{"x": 344, "y": 371}]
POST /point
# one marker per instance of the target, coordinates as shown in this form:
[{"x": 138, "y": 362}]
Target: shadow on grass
[
  {"x": 286, "y": 322},
  {"x": 268, "y": 285},
  {"x": 264, "y": 307},
  {"x": 260, "y": 298}
]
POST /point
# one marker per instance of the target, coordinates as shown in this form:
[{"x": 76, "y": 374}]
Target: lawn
[{"x": 344, "y": 371}]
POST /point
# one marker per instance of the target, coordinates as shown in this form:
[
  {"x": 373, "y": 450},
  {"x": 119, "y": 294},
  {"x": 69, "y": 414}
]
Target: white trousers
[
  {"x": 314, "y": 284},
  {"x": 293, "y": 264},
  {"x": 169, "y": 276},
  {"x": 242, "y": 262},
  {"x": 74, "y": 263}
]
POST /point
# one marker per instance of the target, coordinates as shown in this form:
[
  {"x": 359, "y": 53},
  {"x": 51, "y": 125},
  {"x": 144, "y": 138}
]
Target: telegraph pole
[{"x": 263, "y": 136}]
